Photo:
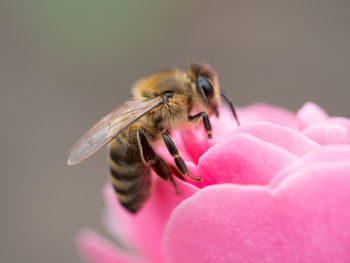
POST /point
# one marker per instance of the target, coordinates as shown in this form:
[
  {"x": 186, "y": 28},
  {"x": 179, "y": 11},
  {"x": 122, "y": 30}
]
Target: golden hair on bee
[{"x": 161, "y": 102}]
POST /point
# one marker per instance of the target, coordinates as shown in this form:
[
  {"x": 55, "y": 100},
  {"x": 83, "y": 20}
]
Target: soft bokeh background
[{"x": 66, "y": 63}]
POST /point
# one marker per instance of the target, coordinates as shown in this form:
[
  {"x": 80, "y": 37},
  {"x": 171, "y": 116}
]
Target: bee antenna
[{"x": 228, "y": 101}]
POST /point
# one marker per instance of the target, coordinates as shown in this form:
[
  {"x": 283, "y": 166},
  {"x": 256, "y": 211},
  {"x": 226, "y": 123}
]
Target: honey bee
[{"x": 160, "y": 103}]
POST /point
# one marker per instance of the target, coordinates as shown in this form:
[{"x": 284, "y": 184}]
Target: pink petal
[
  {"x": 327, "y": 134},
  {"x": 329, "y": 155},
  {"x": 302, "y": 220},
  {"x": 225, "y": 124},
  {"x": 195, "y": 143},
  {"x": 145, "y": 229},
  {"x": 286, "y": 138},
  {"x": 309, "y": 114},
  {"x": 95, "y": 249},
  {"x": 345, "y": 122},
  {"x": 192, "y": 142},
  {"x": 242, "y": 159},
  {"x": 264, "y": 112}
]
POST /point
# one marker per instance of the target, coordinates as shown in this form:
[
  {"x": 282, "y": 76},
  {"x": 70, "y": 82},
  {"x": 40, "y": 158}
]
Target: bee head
[{"x": 207, "y": 86}]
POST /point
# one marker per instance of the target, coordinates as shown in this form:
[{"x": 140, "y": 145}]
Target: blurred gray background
[{"x": 66, "y": 63}]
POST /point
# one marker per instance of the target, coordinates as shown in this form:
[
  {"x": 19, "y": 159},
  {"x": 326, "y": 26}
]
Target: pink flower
[{"x": 275, "y": 189}]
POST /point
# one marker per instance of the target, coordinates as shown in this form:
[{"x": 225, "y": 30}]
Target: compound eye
[{"x": 204, "y": 84}]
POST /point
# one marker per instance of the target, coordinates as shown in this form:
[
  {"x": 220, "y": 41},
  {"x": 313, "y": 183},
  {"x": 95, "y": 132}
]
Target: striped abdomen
[{"x": 130, "y": 178}]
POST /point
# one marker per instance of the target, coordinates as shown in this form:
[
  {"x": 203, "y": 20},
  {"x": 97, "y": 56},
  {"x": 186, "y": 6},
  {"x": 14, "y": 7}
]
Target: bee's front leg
[
  {"x": 206, "y": 122},
  {"x": 149, "y": 157},
  {"x": 178, "y": 160}
]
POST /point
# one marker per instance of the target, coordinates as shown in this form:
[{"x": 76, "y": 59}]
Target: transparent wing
[{"x": 109, "y": 127}]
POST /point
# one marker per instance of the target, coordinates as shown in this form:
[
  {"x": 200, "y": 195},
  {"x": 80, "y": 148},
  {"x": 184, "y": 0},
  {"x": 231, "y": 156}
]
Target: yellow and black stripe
[{"x": 130, "y": 178}]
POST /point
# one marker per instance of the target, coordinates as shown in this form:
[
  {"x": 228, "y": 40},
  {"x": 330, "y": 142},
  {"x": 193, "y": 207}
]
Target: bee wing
[{"x": 109, "y": 127}]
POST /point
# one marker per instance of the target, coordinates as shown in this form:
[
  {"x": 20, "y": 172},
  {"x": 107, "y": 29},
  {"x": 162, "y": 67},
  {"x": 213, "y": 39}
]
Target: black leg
[
  {"x": 149, "y": 157},
  {"x": 160, "y": 167},
  {"x": 206, "y": 122},
  {"x": 227, "y": 99},
  {"x": 146, "y": 150},
  {"x": 178, "y": 160}
]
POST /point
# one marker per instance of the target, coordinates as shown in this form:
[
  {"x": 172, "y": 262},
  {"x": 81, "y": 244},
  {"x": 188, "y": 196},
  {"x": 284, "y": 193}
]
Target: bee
[{"x": 160, "y": 103}]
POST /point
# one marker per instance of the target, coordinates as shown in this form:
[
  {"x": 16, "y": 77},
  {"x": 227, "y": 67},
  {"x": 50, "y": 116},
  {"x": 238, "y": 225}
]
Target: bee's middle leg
[
  {"x": 177, "y": 158},
  {"x": 149, "y": 157}
]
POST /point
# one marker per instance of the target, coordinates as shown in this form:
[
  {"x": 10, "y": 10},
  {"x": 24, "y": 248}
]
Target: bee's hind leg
[
  {"x": 175, "y": 153},
  {"x": 149, "y": 157},
  {"x": 160, "y": 167}
]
